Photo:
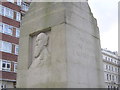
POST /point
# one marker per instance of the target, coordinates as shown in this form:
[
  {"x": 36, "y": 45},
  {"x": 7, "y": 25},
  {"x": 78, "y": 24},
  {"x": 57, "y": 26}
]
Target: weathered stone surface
[{"x": 74, "y": 47}]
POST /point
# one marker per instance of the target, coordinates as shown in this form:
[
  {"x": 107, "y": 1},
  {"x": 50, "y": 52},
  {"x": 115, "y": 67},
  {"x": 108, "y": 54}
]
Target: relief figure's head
[{"x": 40, "y": 43}]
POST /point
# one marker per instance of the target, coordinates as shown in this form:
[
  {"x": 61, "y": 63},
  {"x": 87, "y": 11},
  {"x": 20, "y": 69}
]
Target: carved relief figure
[{"x": 40, "y": 51}]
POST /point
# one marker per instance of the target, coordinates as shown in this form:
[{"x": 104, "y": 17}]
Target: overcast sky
[{"x": 106, "y": 13}]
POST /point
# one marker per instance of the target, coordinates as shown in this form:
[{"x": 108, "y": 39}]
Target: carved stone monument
[
  {"x": 59, "y": 47},
  {"x": 40, "y": 51}
]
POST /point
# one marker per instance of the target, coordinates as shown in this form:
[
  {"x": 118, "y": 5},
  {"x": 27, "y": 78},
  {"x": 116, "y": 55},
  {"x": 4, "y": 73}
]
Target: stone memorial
[{"x": 59, "y": 47}]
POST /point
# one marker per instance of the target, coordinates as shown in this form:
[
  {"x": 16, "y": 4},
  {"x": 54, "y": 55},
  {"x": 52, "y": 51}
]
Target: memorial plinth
[{"x": 59, "y": 47}]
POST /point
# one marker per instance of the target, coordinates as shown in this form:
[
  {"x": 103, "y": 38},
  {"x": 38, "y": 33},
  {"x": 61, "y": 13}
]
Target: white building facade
[{"x": 111, "y": 68}]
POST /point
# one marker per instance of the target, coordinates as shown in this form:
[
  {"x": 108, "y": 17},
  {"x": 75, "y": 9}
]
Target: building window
[
  {"x": 111, "y": 60},
  {"x": 5, "y": 46},
  {"x": 18, "y": 16},
  {"x": 111, "y": 87},
  {"x": 8, "y": 12},
  {"x": 106, "y": 67},
  {"x": 1, "y": 10},
  {"x": 115, "y": 69},
  {"x": 107, "y": 77},
  {"x": 3, "y": 86},
  {"x": 116, "y": 78},
  {"x": 17, "y": 32},
  {"x": 112, "y": 68},
  {"x": 110, "y": 77},
  {"x": 119, "y": 78},
  {"x": 115, "y": 61},
  {"x": 109, "y": 67},
  {"x": 0, "y": 45},
  {"x": 15, "y": 67},
  {"x": 25, "y": 6},
  {"x": 6, "y": 65},
  {"x": 113, "y": 77},
  {"x": 0, "y": 64},
  {"x": 106, "y": 58},
  {"x": 16, "y": 49},
  {"x": 7, "y": 29},
  {"x": 1, "y": 27},
  {"x": 12, "y": 1},
  {"x": 19, "y": 2}
]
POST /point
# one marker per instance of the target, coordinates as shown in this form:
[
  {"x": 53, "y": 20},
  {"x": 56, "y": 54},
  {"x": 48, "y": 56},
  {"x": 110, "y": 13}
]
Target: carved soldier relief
[{"x": 40, "y": 52}]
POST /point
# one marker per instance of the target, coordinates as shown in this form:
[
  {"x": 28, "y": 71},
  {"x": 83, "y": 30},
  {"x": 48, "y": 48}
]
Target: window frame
[
  {"x": 18, "y": 16},
  {"x": 24, "y": 6},
  {"x": 6, "y": 62},
  {"x": 17, "y": 32},
  {"x": 8, "y": 12},
  {"x": 15, "y": 66},
  {"x": 1, "y": 27},
  {"x": 7, "y": 29},
  {"x": 19, "y": 2},
  {"x": 16, "y": 47},
  {"x": 5, "y": 45}
]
